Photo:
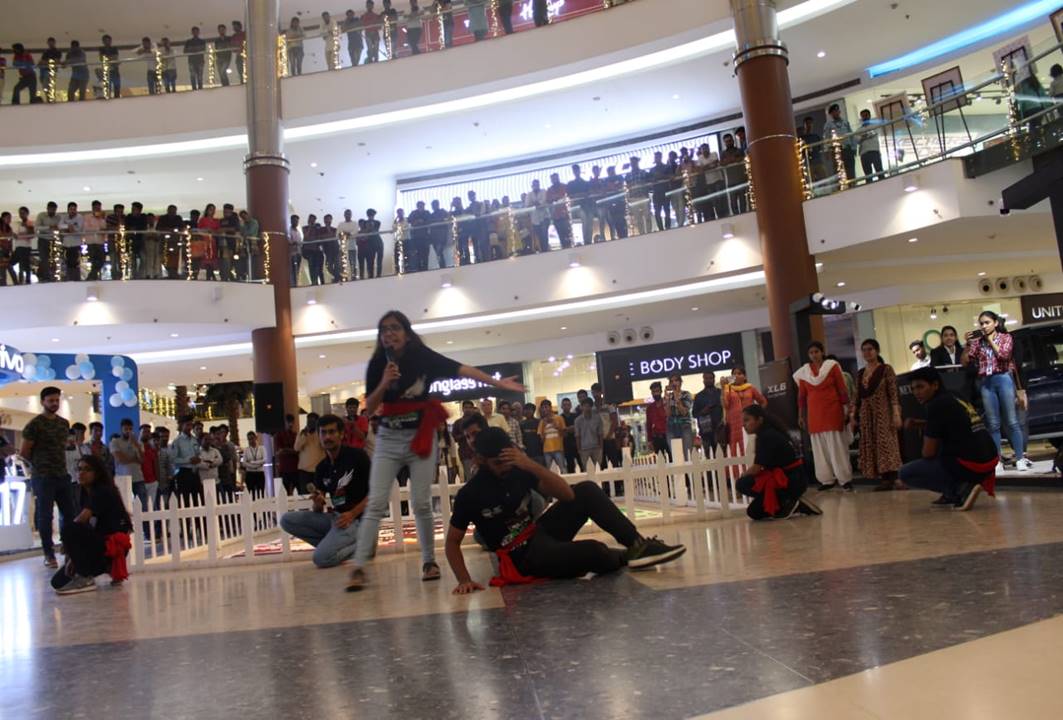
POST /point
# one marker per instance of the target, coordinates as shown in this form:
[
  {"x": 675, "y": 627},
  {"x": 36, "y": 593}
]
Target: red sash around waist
[
  {"x": 432, "y": 414},
  {"x": 115, "y": 547},
  {"x": 508, "y": 574},
  {"x": 988, "y": 471},
  {"x": 770, "y": 480}
]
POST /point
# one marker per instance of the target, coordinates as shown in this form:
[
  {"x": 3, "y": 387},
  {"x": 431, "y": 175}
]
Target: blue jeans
[
  {"x": 391, "y": 453},
  {"x": 683, "y": 431},
  {"x": 332, "y": 545},
  {"x": 555, "y": 457},
  {"x": 49, "y": 491},
  {"x": 998, "y": 395}
]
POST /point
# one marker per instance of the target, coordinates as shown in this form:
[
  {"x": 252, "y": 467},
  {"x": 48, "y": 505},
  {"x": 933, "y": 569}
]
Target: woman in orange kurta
[
  {"x": 736, "y": 396},
  {"x": 824, "y": 405}
]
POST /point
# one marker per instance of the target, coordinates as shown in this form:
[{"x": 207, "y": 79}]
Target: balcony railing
[{"x": 344, "y": 42}]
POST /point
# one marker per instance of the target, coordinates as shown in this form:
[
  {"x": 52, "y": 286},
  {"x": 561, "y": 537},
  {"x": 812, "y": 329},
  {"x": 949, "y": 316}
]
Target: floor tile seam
[
  {"x": 825, "y": 571},
  {"x": 515, "y": 641},
  {"x": 769, "y": 656}
]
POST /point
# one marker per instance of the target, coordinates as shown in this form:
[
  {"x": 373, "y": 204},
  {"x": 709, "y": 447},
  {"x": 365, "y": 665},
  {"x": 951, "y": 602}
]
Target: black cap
[{"x": 491, "y": 442}]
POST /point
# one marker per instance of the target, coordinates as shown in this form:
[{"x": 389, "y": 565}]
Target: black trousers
[
  {"x": 49, "y": 491},
  {"x": 188, "y": 485},
  {"x": 315, "y": 260},
  {"x": 44, "y": 260},
  {"x": 96, "y": 258},
  {"x": 611, "y": 452},
  {"x": 306, "y": 481},
  {"x": 553, "y": 553},
  {"x": 505, "y": 15},
  {"x": 27, "y": 81},
  {"x": 661, "y": 445},
  {"x": 572, "y": 458},
  {"x": 786, "y": 496},
  {"x": 540, "y": 13},
  {"x": 73, "y": 263},
  {"x": 662, "y": 210},
  {"x": 255, "y": 481},
  {"x": 21, "y": 257},
  {"x": 84, "y": 547},
  {"x": 871, "y": 162}
]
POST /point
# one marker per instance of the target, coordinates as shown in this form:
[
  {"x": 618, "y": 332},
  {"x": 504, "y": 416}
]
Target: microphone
[{"x": 391, "y": 359}]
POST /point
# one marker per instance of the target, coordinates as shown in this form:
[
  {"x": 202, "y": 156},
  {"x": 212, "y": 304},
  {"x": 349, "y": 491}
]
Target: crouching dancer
[
  {"x": 776, "y": 479},
  {"x": 498, "y": 502},
  {"x": 96, "y": 541},
  {"x": 959, "y": 455},
  {"x": 344, "y": 476}
]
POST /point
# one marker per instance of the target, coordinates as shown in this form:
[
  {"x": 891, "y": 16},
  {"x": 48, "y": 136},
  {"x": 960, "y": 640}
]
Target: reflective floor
[{"x": 882, "y": 608}]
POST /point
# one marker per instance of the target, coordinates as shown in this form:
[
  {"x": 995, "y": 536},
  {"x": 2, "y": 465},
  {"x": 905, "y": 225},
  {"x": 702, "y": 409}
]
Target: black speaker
[{"x": 269, "y": 407}]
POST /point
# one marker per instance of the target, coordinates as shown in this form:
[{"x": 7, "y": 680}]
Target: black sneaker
[
  {"x": 787, "y": 511},
  {"x": 826, "y": 488},
  {"x": 50, "y": 562},
  {"x": 647, "y": 552},
  {"x": 968, "y": 494},
  {"x": 848, "y": 487},
  {"x": 807, "y": 507},
  {"x": 356, "y": 581},
  {"x": 943, "y": 501}
]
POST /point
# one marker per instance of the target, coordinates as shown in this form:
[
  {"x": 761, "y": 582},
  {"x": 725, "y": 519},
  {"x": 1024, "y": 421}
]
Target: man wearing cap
[{"x": 498, "y": 502}]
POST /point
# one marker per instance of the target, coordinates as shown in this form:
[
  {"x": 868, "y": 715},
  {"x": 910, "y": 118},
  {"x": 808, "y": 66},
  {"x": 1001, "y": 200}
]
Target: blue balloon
[
  {"x": 117, "y": 361},
  {"x": 49, "y": 374},
  {"x": 44, "y": 361},
  {"x": 127, "y": 374},
  {"x": 90, "y": 374},
  {"x": 87, "y": 369},
  {"x": 30, "y": 372},
  {"x": 128, "y": 395}
]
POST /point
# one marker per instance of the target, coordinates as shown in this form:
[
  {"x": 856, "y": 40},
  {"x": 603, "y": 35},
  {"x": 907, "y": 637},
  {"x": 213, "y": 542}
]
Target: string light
[
  {"x": 158, "y": 71},
  {"x": 267, "y": 264},
  {"x": 124, "y": 256},
  {"x": 493, "y": 16},
  {"x": 243, "y": 58},
  {"x": 345, "y": 257},
  {"x": 55, "y": 253},
  {"x": 212, "y": 66},
  {"x": 800, "y": 156},
  {"x": 106, "y": 79},
  {"x": 514, "y": 234},
  {"x": 454, "y": 239},
  {"x": 628, "y": 217},
  {"x": 188, "y": 253},
  {"x": 51, "y": 81},
  {"x": 839, "y": 164},
  {"x": 399, "y": 229},
  {"x": 1008, "y": 82},
  {"x": 334, "y": 61},
  {"x": 442, "y": 28},
  {"x": 688, "y": 194},
  {"x": 282, "y": 57},
  {"x": 751, "y": 191},
  {"x": 388, "y": 46}
]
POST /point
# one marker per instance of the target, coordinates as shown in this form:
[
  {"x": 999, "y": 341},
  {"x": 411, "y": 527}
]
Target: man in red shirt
[
  {"x": 285, "y": 458},
  {"x": 149, "y": 465},
  {"x": 372, "y": 23},
  {"x": 355, "y": 427},
  {"x": 557, "y": 199},
  {"x": 27, "y": 75},
  {"x": 236, "y": 42},
  {"x": 657, "y": 422}
]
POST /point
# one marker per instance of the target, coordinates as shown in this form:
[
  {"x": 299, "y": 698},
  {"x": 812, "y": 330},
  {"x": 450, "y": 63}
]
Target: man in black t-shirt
[
  {"x": 959, "y": 455},
  {"x": 533, "y": 442},
  {"x": 344, "y": 476},
  {"x": 498, "y": 501},
  {"x": 572, "y": 459}
]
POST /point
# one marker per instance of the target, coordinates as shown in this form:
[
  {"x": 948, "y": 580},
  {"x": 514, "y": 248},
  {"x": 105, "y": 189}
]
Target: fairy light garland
[
  {"x": 243, "y": 58},
  {"x": 688, "y": 195},
  {"x": 492, "y": 15},
  {"x": 839, "y": 164},
  {"x": 345, "y": 257},
  {"x": 800, "y": 154},
  {"x": 399, "y": 228},
  {"x": 267, "y": 263},
  {"x": 212, "y": 66},
  {"x": 1014, "y": 126},
  {"x": 514, "y": 235},
  {"x": 454, "y": 239},
  {"x": 334, "y": 32},
  {"x": 106, "y": 79},
  {"x": 124, "y": 254},
  {"x": 282, "y": 56},
  {"x": 442, "y": 28},
  {"x": 751, "y": 191},
  {"x": 158, "y": 71},
  {"x": 51, "y": 81},
  {"x": 632, "y": 231},
  {"x": 55, "y": 252},
  {"x": 389, "y": 46},
  {"x": 188, "y": 253}
]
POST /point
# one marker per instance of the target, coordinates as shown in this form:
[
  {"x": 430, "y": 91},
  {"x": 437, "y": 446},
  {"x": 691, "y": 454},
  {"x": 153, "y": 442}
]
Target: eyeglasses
[{"x": 391, "y": 328}]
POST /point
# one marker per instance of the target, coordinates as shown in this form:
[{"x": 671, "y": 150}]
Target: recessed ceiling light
[
  {"x": 564, "y": 327},
  {"x": 981, "y": 274},
  {"x": 321, "y": 356},
  {"x": 450, "y": 342},
  {"x": 199, "y": 179},
  {"x": 568, "y": 357},
  {"x": 87, "y": 189},
  {"x": 821, "y": 54},
  {"x": 174, "y": 335},
  {"x": 551, "y": 359},
  {"x": 913, "y": 240},
  {"x": 202, "y": 367},
  {"x": 676, "y": 96},
  {"x": 841, "y": 283},
  {"x": 694, "y": 309},
  {"x": 313, "y": 164},
  {"x": 55, "y": 339}
]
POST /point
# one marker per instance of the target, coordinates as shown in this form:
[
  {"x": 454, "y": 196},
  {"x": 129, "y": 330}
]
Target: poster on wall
[
  {"x": 1016, "y": 54},
  {"x": 893, "y": 108},
  {"x": 618, "y": 369},
  {"x": 780, "y": 390},
  {"x": 458, "y": 389},
  {"x": 946, "y": 88}
]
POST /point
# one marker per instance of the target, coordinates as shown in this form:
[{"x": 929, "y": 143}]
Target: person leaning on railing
[
  {"x": 79, "y": 72},
  {"x": 195, "y": 48}
]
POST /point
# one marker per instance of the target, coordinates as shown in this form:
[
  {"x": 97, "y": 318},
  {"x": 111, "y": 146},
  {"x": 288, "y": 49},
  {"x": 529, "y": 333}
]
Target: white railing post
[
  {"x": 681, "y": 494},
  {"x": 629, "y": 483},
  {"x": 175, "y": 530},
  {"x": 698, "y": 475},
  {"x": 444, "y": 496},
  {"x": 725, "y": 481},
  {"x": 210, "y": 511},
  {"x": 132, "y": 503},
  {"x": 247, "y": 524},
  {"x": 280, "y": 498}
]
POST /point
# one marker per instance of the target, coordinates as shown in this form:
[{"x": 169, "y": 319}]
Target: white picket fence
[{"x": 222, "y": 531}]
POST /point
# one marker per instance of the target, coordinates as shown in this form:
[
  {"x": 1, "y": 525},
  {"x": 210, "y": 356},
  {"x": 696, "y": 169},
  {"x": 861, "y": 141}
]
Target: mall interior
[{"x": 734, "y": 180}]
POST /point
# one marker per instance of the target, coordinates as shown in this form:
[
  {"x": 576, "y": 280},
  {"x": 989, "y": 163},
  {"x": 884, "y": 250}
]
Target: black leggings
[
  {"x": 786, "y": 496},
  {"x": 83, "y": 546},
  {"x": 553, "y": 553}
]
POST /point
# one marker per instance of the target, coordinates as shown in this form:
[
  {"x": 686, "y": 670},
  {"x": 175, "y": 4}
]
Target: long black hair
[
  {"x": 103, "y": 484},
  {"x": 1000, "y": 323},
  {"x": 412, "y": 338},
  {"x": 756, "y": 411}
]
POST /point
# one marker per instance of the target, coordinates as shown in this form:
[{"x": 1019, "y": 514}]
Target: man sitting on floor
[
  {"x": 959, "y": 456},
  {"x": 498, "y": 501},
  {"x": 343, "y": 475}
]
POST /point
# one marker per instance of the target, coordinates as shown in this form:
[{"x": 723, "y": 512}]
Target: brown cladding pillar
[
  {"x": 760, "y": 63},
  {"x": 273, "y": 348}
]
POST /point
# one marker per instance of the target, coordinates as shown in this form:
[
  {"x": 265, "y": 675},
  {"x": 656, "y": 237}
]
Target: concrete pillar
[
  {"x": 273, "y": 348},
  {"x": 760, "y": 63}
]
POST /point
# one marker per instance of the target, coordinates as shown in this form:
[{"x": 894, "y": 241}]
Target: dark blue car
[{"x": 1041, "y": 356}]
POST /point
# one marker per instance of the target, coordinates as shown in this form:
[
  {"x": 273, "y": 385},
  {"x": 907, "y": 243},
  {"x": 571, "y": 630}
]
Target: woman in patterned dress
[{"x": 878, "y": 413}]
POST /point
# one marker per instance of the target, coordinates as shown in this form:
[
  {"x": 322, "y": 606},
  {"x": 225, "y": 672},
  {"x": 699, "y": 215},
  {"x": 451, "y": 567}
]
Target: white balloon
[
  {"x": 115, "y": 400},
  {"x": 120, "y": 386},
  {"x": 29, "y": 359},
  {"x": 80, "y": 358},
  {"x": 90, "y": 374},
  {"x": 132, "y": 402},
  {"x": 117, "y": 372},
  {"x": 73, "y": 372}
]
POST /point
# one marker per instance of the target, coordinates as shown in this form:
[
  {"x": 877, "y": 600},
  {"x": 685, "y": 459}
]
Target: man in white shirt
[
  {"x": 348, "y": 230},
  {"x": 540, "y": 215},
  {"x": 71, "y": 227},
  {"x": 47, "y": 227},
  {"x": 94, "y": 224},
  {"x": 487, "y": 409},
  {"x": 22, "y": 245},
  {"x": 922, "y": 359}
]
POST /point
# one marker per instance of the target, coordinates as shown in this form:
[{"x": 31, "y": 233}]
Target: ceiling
[{"x": 359, "y": 170}]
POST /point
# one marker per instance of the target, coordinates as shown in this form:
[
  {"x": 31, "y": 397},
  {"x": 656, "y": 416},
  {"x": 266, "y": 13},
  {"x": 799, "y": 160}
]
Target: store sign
[
  {"x": 11, "y": 364},
  {"x": 457, "y": 389},
  {"x": 780, "y": 390},
  {"x": 1041, "y": 308},
  {"x": 617, "y": 369}
]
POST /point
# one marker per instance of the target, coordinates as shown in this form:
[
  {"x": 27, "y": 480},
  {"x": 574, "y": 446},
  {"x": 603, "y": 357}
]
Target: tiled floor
[{"x": 857, "y": 614}]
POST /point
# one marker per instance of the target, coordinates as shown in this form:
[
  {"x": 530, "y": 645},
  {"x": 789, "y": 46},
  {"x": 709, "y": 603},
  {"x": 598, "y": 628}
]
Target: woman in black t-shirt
[
  {"x": 399, "y": 379},
  {"x": 86, "y": 537},
  {"x": 776, "y": 479}
]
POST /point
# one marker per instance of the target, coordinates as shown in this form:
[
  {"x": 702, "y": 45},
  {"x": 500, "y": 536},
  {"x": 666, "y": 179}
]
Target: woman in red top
[
  {"x": 738, "y": 395},
  {"x": 207, "y": 231},
  {"x": 824, "y": 405}
]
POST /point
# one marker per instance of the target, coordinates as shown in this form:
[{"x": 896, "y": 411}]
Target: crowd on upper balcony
[{"x": 375, "y": 33}]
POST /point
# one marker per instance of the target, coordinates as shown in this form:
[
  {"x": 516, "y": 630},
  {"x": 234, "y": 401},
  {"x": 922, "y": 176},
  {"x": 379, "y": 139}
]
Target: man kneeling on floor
[
  {"x": 498, "y": 502},
  {"x": 959, "y": 455},
  {"x": 343, "y": 475}
]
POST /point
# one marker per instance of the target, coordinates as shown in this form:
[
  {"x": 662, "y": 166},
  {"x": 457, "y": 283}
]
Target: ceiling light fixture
[
  {"x": 92, "y": 293},
  {"x": 321, "y": 356},
  {"x": 819, "y": 266},
  {"x": 173, "y": 335},
  {"x": 933, "y": 314},
  {"x": 551, "y": 359},
  {"x": 313, "y": 164},
  {"x": 86, "y": 188},
  {"x": 913, "y": 240},
  {"x": 564, "y": 327},
  {"x": 911, "y": 183},
  {"x": 676, "y": 96},
  {"x": 981, "y": 274},
  {"x": 841, "y": 283},
  {"x": 55, "y": 339},
  {"x": 727, "y": 230},
  {"x": 821, "y": 54},
  {"x": 199, "y": 179},
  {"x": 694, "y": 309},
  {"x": 446, "y": 282},
  {"x": 202, "y": 367},
  {"x": 574, "y": 260}
]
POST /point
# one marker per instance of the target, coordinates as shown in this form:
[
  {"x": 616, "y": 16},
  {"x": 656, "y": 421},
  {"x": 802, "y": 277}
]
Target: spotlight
[
  {"x": 911, "y": 183},
  {"x": 92, "y": 293},
  {"x": 446, "y": 282},
  {"x": 311, "y": 298},
  {"x": 574, "y": 260},
  {"x": 933, "y": 314},
  {"x": 817, "y": 297},
  {"x": 853, "y": 307},
  {"x": 727, "y": 230}
]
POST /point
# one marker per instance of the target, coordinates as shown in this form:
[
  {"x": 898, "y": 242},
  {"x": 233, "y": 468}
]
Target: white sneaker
[
  {"x": 1023, "y": 465},
  {"x": 1000, "y": 468}
]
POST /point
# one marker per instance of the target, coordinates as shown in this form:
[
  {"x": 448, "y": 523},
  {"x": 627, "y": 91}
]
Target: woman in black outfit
[
  {"x": 86, "y": 538},
  {"x": 776, "y": 479}
]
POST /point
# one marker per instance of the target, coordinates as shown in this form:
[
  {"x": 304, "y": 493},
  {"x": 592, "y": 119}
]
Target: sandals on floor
[{"x": 429, "y": 572}]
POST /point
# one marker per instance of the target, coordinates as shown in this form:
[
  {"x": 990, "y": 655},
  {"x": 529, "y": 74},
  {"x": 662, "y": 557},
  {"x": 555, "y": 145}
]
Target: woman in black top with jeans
[
  {"x": 776, "y": 480},
  {"x": 85, "y": 539}
]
